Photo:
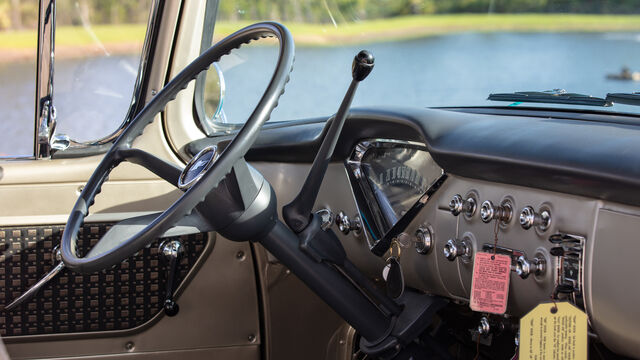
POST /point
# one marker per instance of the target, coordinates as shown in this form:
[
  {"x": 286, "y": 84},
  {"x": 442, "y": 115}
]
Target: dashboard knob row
[{"x": 529, "y": 217}]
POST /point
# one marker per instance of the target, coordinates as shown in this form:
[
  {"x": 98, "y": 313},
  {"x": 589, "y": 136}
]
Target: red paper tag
[{"x": 490, "y": 284}]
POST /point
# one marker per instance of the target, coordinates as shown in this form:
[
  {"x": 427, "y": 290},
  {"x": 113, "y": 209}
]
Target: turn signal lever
[
  {"x": 172, "y": 250},
  {"x": 297, "y": 214}
]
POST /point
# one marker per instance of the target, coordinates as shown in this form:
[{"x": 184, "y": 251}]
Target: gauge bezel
[{"x": 374, "y": 221}]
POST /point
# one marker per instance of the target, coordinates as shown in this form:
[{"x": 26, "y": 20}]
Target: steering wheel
[{"x": 112, "y": 251}]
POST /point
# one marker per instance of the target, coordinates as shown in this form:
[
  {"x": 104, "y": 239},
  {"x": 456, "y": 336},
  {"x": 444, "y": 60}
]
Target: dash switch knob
[
  {"x": 529, "y": 217},
  {"x": 489, "y": 212},
  {"x": 458, "y": 205}
]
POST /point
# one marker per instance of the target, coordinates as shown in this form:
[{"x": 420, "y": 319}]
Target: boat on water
[{"x": 625, "y": 74}]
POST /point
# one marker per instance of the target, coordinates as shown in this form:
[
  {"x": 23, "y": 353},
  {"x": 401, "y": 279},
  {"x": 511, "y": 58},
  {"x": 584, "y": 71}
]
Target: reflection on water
[
  {"x": 449, "y": 70},
  {"x": 461, "y": 69}
]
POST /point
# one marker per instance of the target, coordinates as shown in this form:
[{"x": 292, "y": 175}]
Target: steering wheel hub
[{"x": 198, "y": 166}]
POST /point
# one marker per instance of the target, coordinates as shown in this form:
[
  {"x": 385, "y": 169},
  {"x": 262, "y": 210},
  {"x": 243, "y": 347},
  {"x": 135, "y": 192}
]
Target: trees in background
[
  {"x": 18, "y": 14},
  {"x": 325, "y": 10}
]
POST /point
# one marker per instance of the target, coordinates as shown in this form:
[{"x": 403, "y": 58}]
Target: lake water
[{"x": 92, "y": 95}]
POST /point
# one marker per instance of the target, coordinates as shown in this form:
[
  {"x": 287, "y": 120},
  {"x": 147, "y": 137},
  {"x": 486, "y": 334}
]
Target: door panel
[
  {"x": 122, "y": 298},
  {"x": 70, "y": 317}
]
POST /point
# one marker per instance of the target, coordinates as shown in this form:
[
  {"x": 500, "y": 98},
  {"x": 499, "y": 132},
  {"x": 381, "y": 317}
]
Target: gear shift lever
[{"x": 297, "y": 214}]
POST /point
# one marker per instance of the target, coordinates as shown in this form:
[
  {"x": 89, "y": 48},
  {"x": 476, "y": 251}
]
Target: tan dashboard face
[{"x": 588, "y": 230}]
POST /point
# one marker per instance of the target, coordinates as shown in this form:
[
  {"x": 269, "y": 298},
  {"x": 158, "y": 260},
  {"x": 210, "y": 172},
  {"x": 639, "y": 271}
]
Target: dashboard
[
  {"x": 558, "y": 243},
  {"x": 560, "y": 188}
]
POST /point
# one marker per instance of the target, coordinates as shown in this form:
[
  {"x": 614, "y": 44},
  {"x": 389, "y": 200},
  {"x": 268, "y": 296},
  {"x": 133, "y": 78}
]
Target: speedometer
[{"x": 388, "y": 177}]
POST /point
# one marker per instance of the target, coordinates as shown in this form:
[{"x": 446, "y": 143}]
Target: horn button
[{"x": 198, "y": 166}]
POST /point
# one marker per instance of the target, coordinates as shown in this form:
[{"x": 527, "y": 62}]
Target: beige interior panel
[
  {"x": 614, "y": 303},
  {"x": 298, "y": 324},
  {"x": 179, "y": 122},
  {"x": 233, "y": 352},
  {"x": 218, "y": 309}
]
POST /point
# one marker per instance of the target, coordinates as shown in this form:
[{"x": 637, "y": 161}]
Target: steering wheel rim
[{"x": 235, "y": 151}]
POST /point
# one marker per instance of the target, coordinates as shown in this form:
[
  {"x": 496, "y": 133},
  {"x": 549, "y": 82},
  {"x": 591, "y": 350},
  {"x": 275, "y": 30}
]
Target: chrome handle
[
  {"x": 36, "y": 287},
  {"x": 172, "y": 250}
]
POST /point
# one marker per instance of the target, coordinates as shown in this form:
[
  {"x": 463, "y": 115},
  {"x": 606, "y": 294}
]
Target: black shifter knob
[{"x": 362, "y": 65}]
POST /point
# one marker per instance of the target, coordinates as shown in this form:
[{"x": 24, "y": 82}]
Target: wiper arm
[
  {"x": 624, "y": 98},
  {"x": 556, "y": 96}
]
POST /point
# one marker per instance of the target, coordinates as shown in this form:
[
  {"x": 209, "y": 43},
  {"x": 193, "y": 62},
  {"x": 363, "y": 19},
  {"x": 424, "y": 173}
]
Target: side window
[
  {"x": 18, "y": 27},
  {"x": 98, "y": 46},
  {"x": 97, "y": 55}
]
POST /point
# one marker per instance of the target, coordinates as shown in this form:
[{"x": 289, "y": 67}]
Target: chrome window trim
[
  {"x": 137, "y": 99},
  {"x": 45, "y": 58}
]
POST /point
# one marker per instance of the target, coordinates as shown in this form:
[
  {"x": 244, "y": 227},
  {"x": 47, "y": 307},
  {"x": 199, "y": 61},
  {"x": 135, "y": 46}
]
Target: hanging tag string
[
  {"x": 477, "y": 348},
  {"x": 496, "y": 228},
  {"x": 554, "y": 297}
]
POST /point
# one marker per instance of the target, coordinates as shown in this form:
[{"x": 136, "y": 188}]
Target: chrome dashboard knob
[
  {"x": 454, "y": 248},
  {"x": 489, "y": 212},
  {"x": 424, "y": 240},
  {"x": 484, "y": 327},
  {"x": 529, "y": 217},
  {"x": 458, "y": 205},
  {"x": 326, "y": 218},
  {"x": 346, "y": 225},
  {"x": 525, "y": 267}
]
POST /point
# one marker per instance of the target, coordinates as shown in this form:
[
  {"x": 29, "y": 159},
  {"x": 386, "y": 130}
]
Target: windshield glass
[{"x": 436, "y": 53}]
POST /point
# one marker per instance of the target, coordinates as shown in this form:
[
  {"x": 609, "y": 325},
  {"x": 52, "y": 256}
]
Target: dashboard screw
[
  {"x": 251, "y": 338},
  {"x": 240, "y": 255},
  {"x": 129, "y": 346}
]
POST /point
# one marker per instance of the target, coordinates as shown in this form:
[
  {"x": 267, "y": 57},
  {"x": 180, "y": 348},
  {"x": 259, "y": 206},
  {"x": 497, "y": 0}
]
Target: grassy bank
[
  {"x": 422, "y": 26},
  {"x": 76, "y": 41}
]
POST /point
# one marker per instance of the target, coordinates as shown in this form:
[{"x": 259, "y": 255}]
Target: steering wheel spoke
[
  {"x": 192, "y": 224},
  {"x": 163, "y": 169}
]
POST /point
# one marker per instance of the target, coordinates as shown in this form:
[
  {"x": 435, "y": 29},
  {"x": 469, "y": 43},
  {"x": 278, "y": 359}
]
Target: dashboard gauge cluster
[{"x": 388, "y": 178}]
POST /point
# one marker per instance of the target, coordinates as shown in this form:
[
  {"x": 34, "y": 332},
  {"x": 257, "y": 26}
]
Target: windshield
[{"x": 436, "y": 53}]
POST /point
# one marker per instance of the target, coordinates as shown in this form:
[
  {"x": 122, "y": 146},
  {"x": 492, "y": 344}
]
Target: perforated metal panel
[{"x": 121, "y": 298}]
